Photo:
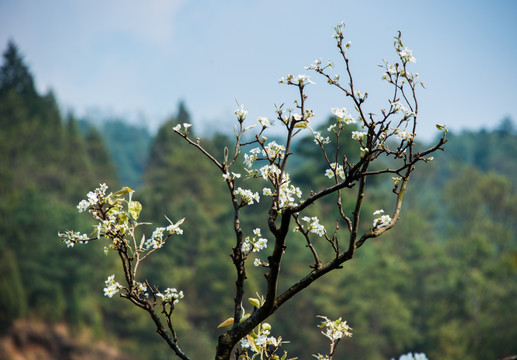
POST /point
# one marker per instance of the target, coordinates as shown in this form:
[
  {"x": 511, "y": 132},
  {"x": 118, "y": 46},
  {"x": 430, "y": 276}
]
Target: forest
[{"x": 443, "y": 282}]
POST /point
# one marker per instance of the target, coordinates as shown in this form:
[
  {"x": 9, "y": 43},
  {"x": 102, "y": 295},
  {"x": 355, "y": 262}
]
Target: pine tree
[{"x": 14, "y": 74}]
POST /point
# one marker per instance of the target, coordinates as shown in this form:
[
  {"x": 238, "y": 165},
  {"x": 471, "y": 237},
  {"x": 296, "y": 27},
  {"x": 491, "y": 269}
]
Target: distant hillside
[
  {"x": 129, "y": 147},
  {"x": 35, "y": 340}
]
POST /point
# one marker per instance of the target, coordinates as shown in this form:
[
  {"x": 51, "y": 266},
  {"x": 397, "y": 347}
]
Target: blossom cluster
[
  {"x": 71, "y": 238},
  {"x": 339, "y": 30},
  {"x": 93, "y": 203},
  {"x": 250, "y": 158},
  {"x": 313, "y": 225},
  {"x": 319, "y": 139},
  {"x": 264, "y": 122},
  {"x": 254, "y": 244},
  {"x": 316, "y": 65},
  {"x": 114, "y": 225},
  {"x": 393, "y": 72},
  {"x": 157, "y": 238},
  {"x": 141, "y": 287},
  {"x": 117, "y": 223},
  {"x": 335, "y": 330},
  {"x": 112, "y": 287},
  {"x": 273, "y": 152},
  {"x": 404, "y": 135},
  {"x": 343, "y": 117},
  {"x": 410, "y": 356},
  {"x": 241, "y": 113},
  {"x": 177, "y": 128},
  {"x": 321, "y": 357},
  {"x": 335, "y": 169},
  {"x": 382, "y": 221},
  {"x": 389, "y": 73},
  {"x": 398, "y": 107},
  {"x": 93, "y": 197},
  {"x": 227, "y": 176},
  {"x": 261, "y": 341},
  {"x": 358, "y": 135},
  {"x": 406, "y": 54},
  {"x": 171, "y": 296},
  {"x": 301, "y": 80},
  {"x": 270, "y": 171},
  {"x": 287, "y": 193},
  {"x": 247, "y": 196},
  {"x": 108, "y": 209}
]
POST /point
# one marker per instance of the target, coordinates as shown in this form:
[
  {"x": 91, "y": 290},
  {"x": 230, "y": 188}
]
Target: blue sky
[{"x": 138, "y": 59}]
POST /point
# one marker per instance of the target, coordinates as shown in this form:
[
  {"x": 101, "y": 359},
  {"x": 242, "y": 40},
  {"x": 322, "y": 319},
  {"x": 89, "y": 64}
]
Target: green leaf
[
  {"x": 123, "y": 191},
  {"x": 123, "y": 218},
  {"x": 226, "y": 322},
  {"x": 254, "y": 302},
  {"x": 134, "y": 209}
]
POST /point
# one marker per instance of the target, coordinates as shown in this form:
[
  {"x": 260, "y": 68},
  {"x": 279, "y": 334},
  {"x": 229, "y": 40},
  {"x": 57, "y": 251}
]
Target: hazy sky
[{"x": 138, "y": 59}]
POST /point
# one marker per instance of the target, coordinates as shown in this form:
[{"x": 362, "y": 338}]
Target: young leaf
[
  {"x": 123, "y": 191},
  {"x": 252, "y": 344},
  {"x": 226, "y": 322},
  {"x": 134, "y": 209},
  {"x": 254, "y": 302}
]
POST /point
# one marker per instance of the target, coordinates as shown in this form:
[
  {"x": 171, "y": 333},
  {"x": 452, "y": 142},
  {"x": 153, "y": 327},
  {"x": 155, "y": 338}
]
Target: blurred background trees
[{"x": 443, "y": 283}]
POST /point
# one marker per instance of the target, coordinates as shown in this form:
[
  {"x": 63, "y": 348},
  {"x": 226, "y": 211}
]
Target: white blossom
[
  {"x": 112, "y": 287},
  {"x": 171, "y": 295},
  {"x": 245, "y": 343},
  {"x": 410, "y": 356},
  {"x": 358, "y": 135},
  {"x": 247, "y": 196},
  {"x": 336, "y": 329},
  {"x": 315, "y": 65},
  {"x": 241, "y": 113},
  {"x": 264, "y": 121},
  {"x": 250, "y": 158},
  {"x": 304, "y": 79},
  {"x": 274, "y": 151},
  {"x": 246, "y": 246},
  {"x": 382, "y": 221},
  {"x": 313, "y": 225},
  {"x": 339, "y": 30},
  {"x": 404, "y": 135},
  {"x": 335, "y": 169},
  {"x": 406, "y": 55},
  {"x": 70, "y": 238},
  {"x": 343, "y": 116},
  {"x": 318, "y": 139},
  {"x": 178, "y": 127}
]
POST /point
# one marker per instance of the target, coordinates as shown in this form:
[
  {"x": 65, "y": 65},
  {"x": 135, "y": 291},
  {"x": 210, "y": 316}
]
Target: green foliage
[
  {"x": 14, "y": 75},
  {"x": 128, "y": 147},
  {"x": 45, "y": 165}
]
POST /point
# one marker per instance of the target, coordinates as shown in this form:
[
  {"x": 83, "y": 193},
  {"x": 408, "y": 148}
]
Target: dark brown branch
[{"x": 160, "y": 329}]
